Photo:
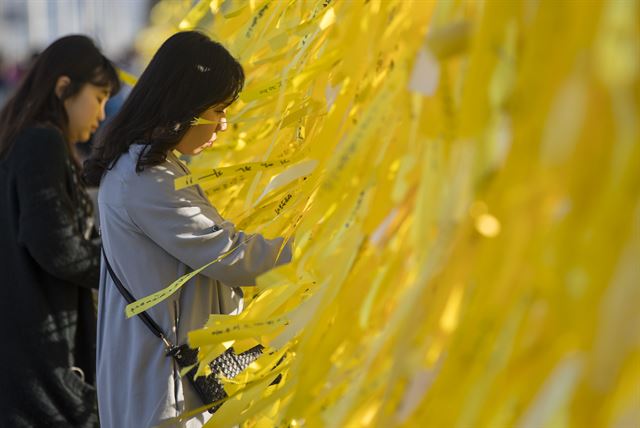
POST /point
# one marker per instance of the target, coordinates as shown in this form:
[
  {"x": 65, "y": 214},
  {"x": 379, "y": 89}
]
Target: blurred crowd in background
[
  {"x": 28, "y": 26},
  {"x": 10, "y": 74}
]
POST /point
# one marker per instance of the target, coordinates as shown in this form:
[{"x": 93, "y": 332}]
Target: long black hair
[
  {"x": 35, "y": 101},
  {"x": 188, "y": 74}
]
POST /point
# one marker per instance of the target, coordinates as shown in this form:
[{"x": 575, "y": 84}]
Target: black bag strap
[{"x": 148, "y": 321}]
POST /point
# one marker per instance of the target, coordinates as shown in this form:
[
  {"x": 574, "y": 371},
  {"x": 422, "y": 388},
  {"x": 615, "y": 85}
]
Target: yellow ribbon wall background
[{"x": 462, "y": 180}]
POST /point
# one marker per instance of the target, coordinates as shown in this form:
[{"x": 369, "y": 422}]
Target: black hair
[
  {"x": 188, "y": 74},
  {"x": 35, "y": 102}
]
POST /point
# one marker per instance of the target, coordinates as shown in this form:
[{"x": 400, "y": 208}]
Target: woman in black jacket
[{"x": 49, "y": 251}]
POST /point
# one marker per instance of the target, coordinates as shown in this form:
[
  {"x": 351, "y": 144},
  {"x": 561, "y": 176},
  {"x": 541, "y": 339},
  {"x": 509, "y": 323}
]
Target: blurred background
[{"x": 27, "y": 26}]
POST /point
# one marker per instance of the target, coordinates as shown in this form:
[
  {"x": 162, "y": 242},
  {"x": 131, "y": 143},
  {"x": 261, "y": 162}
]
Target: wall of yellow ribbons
[{"x": 462, "y": 179}]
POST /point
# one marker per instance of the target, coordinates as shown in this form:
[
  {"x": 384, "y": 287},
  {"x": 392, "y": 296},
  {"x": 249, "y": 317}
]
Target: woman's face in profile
[
  {"x": 201, "y": 136},
  {"x": 85, "y": 111}
]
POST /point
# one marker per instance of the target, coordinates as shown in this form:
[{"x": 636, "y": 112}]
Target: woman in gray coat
[{"x": 153, "y": 234}]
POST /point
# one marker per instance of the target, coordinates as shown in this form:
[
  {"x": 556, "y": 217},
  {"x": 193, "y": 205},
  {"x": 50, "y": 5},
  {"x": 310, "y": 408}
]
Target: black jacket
[{"x": 49, "y": 262}]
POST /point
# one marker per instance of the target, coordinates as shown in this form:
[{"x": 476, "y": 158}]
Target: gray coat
[{"x": 153, "y": 234}]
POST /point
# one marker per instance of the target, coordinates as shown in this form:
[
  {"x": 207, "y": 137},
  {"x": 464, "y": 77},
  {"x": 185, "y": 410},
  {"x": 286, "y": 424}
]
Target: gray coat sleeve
[{"x": 187, "y": 226}]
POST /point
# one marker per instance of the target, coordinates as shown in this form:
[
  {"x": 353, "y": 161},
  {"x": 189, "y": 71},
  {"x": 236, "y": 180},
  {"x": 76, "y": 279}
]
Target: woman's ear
[{"x": 62, "y": 84}]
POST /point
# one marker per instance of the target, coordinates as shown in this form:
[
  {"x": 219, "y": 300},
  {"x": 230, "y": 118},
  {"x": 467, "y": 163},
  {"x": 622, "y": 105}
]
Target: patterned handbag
[{"x": 229, "y": 364}]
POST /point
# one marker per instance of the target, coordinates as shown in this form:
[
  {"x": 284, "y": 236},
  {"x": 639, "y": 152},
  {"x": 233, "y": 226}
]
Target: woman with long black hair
[
  {"x": 49, "y": 255},
  {"x": 153, "y": 234}
]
